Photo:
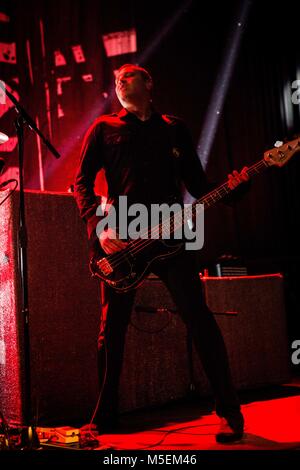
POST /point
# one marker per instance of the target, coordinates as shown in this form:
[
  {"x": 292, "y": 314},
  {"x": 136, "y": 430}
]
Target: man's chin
[
  {"x": 124, "y": 100},
  {"x": 121, "y": 94}
]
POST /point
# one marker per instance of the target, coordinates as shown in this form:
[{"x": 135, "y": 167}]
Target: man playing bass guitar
[{"x": 147, "y": 157}]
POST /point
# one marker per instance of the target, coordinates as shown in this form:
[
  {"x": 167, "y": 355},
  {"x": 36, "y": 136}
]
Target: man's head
[{"x": 133, "y": 84}]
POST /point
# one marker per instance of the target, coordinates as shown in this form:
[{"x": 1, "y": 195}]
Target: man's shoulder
[
  {"x": 105, "y": 119},
  {"x": 171, "y": 120},
  {"x": 103, "y": 122}
]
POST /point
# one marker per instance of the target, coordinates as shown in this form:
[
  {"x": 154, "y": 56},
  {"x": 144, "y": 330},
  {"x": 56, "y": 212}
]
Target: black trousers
[{"x": 181, "y": 276}]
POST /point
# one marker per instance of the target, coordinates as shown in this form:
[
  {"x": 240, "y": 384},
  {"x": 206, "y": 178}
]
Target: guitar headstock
[{"x": 281, "y": 154}]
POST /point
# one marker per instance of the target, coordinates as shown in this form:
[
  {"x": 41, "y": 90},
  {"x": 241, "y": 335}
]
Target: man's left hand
[{"x": 235, "y": 178}]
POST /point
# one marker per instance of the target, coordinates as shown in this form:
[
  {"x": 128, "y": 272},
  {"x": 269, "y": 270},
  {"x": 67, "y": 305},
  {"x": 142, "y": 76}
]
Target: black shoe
[{"x": 231, "y": 429}]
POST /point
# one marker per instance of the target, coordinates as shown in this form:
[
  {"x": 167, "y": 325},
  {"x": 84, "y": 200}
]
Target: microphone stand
[{"x": 29, "y": 438}]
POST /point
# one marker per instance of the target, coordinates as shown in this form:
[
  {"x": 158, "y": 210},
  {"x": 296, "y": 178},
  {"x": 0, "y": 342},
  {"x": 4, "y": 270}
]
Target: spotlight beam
[{"x": 222, "y": 82}]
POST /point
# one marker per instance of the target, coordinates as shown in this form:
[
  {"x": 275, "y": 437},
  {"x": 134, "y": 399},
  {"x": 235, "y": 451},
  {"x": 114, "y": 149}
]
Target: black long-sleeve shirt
[{"x": 148, "y": 161}]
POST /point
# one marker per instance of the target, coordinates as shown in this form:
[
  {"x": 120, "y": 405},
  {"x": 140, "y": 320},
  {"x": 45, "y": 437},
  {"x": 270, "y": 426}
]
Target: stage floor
[{"x": 272, "y": 417}]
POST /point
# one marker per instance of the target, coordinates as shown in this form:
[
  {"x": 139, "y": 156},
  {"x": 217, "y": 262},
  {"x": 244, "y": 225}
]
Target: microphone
[{"x": 5, "y": 183}]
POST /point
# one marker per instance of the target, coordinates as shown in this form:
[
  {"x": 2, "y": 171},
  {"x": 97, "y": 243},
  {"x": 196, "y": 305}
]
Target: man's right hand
[{"x": 110, "y": 242}]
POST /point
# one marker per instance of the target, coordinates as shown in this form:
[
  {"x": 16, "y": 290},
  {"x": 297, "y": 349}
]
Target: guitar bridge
[{"x": 104, "y": 266}]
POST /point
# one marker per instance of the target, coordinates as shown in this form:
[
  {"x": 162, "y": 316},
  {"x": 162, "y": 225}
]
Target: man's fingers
[
  {"x": 244, "y": 173},
  {"x": 112, "y": 246},
  {"x": 113, "y": 237},
  {"x": 110, "y": 242},
  {"x": 119, "y": 243},
  {"x": 235, "y": 178},
  {"x": 116, "y": 243}
]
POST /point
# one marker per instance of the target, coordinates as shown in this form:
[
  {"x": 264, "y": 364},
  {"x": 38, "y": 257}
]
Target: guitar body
[{"x": 124, "y": 271}]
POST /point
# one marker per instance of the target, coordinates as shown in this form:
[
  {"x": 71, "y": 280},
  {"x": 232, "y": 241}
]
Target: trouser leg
[
  {"x": 115, "y": 315},
  {"x": 182, "y": 279}
]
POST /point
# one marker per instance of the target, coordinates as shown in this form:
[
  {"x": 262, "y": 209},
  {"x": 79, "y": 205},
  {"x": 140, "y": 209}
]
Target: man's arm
[
  {"x": 90, "y": 163},
  {"x": 191, "y": 169},
  {"x": 195, "y": 178}
]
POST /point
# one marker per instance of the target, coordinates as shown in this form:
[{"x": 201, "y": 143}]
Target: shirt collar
[{"x": 127, "y": 116}]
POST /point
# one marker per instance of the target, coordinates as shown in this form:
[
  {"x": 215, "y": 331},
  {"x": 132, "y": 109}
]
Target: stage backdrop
[{"x": 58, "y": 58}]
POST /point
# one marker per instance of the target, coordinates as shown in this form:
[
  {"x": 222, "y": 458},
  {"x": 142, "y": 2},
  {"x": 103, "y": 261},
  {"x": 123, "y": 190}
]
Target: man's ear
[{"x": 149, "y": 84}]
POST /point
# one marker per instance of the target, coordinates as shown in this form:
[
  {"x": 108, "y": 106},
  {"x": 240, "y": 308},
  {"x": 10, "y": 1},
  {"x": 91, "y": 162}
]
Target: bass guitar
[{"x": 126, "y": 269}]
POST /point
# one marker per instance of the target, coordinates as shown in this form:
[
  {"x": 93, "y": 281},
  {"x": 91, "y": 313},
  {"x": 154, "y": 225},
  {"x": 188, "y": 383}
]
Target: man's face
[{"x": 131, "y": 86}]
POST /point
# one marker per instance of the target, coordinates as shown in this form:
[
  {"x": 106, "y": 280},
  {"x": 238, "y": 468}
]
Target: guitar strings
[
  {"x": 140, "y": 244},
  {"x": 136, "y": 246}
]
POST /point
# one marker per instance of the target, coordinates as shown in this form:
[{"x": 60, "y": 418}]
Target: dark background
[{"x": 183, "y": 45}]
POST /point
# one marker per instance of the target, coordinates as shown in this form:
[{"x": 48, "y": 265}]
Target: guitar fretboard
[
  {"x": 180, "y": 218},
  {"x": 222, "y": 191}
]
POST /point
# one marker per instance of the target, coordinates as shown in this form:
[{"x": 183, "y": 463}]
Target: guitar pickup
[{"x": 104, "y": 266}]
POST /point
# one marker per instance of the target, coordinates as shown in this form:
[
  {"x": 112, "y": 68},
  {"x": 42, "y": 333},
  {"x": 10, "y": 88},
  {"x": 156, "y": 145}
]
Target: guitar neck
[
  {"x": 277, "y": 156},
  {"x": 179, "y": 219},
  {"x": 212, "y": 198},
  {"x": 219, "y": 193}
]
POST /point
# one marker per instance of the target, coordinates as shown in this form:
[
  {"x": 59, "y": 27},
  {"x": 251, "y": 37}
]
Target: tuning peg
[{"x": 278, "y": 143}]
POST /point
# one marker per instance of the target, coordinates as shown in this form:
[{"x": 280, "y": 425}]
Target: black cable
[
  {"x": 174, "y": 431},
  {"x": 153, "y": 310},
  {"x": 4, "y": 430},
  {"x": 100, "y": 391},
  {"x": 11, "y": 192}
]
